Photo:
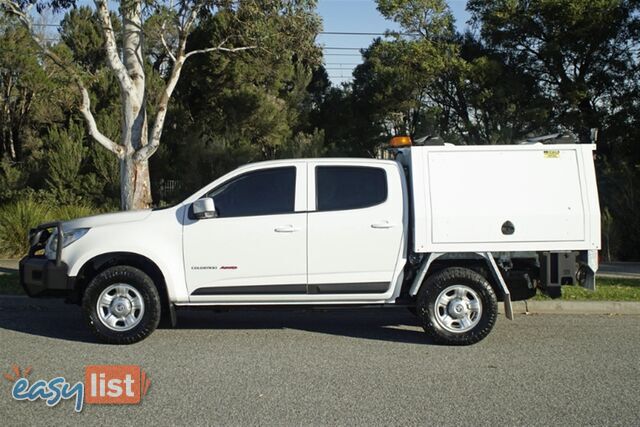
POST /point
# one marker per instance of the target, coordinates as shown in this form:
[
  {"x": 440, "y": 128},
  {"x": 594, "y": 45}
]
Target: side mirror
[{"x": 204, "y": 208}]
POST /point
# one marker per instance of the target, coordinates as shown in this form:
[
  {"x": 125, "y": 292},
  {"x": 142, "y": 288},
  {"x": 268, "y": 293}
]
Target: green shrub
[
  {"x": 13, "y": 178},
  {"x": 18, "y": 217},
  {"x": 67, "y": 212},
  {"x": 15, "y": 221}
]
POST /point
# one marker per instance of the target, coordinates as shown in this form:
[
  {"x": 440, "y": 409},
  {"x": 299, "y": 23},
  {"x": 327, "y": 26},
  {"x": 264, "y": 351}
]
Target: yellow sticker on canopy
[{"x": 551, "y": 154}]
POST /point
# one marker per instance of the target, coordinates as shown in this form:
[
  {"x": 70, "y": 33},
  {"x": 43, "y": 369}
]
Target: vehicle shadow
[
  {"x": 50, "y": 318},
  {"x": 384, "y": 324},
  {"x": 54, "y": 319}
]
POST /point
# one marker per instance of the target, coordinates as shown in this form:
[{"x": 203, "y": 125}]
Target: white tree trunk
[
  {"x": 135, "y": 188},
  {"x": 135, "y": 184}
]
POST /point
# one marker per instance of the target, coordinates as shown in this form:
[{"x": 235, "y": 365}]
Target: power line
[
  {"x": 351, "y": 33},
  {"x": 328, "y": 33},
  {"x": 345, "y": 33},
  {"x": 342, "y": 48}
]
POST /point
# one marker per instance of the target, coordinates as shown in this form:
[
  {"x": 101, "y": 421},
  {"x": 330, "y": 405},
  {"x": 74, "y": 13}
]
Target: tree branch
[
  {"x": 164, "y": 43},
  {"x": 102, "y": 139},
  {"x": 85, "y": 107},
  {"x": 179, "y": 59},
  {"x": 113, "y": 58},
  {"x": 219, "y": 48}
]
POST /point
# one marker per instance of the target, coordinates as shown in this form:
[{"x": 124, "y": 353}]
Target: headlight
[{"x": 69, "y": 237}]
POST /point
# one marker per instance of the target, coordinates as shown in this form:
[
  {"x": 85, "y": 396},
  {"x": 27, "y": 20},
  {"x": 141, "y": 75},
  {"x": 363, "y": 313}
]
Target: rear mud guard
[
  {"x": 493, "y": 267},
  {"x": 508, "y": 309}
]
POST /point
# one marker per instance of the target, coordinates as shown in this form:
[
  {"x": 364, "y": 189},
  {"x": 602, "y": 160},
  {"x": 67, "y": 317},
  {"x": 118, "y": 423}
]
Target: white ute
[{"x": 447, "y": 231}]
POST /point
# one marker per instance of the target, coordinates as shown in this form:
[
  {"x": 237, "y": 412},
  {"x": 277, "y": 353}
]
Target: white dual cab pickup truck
[{"x": 447, "y": 231}]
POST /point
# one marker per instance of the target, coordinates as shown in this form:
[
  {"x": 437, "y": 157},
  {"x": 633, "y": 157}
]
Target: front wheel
[
  {"x": 457, "y": 306},
  {"x": 121, "y": 305}
]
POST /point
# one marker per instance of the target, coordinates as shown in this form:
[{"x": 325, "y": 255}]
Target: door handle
[
  {"x": 382, "y": 224},
  {"x": 285, "y": 229}
]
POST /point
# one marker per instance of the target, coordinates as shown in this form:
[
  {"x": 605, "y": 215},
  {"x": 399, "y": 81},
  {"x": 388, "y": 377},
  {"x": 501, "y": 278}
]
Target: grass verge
[{"x": 606, "y": 290}]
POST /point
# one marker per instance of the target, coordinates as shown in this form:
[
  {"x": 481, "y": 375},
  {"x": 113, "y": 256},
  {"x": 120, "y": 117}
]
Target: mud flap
[
  {"x": 508, "y": 309},
  {"x": 588, "y": 261}
]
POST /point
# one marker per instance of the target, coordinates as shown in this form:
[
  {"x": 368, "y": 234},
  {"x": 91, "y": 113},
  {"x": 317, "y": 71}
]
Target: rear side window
[
  {"x": 262, "y": 192},
  {"x": 349, "y": 187}
]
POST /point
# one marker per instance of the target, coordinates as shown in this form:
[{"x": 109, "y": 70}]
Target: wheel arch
[
  {"x": 101, "y": 262},
  {"x": 438, "y": 262}
]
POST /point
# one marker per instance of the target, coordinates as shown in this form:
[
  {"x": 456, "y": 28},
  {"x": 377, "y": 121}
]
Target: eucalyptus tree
[{"x": 127, "y": 55}]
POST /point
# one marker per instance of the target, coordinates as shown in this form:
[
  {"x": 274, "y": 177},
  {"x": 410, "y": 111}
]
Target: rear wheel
[
  {"x": 121, "y": 305},
  {"x": 457, "y": 306}
]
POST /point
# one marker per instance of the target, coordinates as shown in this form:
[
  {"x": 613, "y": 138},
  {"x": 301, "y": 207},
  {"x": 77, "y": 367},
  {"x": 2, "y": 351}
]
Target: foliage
[
  {"x": 80, "y": 33},
  {"x": 581, "y": 52},
  {"x": 64, "y": 163},
  {"x": 25, "y": 88},
  {"x": 619, "y": 185},
  {"x": 432, "y": 19},
  {"x": 67, "y": 212},
  {"x": 12, "y": 179},
  {"x": 17, "y": 218}
]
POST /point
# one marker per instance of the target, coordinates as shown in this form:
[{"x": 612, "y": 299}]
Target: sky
[{"x": 359, "y": 16}]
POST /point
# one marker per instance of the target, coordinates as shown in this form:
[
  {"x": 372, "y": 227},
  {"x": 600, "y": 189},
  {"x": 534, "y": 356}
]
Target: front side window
[
  {"x": 262, "y": 192},
  {"x": 349, "y": 187}
]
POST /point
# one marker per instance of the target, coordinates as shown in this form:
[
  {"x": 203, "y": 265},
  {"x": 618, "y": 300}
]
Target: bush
[
  {"x": 15, "y": 221},
  {"x": 12, "y": 179},
  {"x": 67, "y": 212},
  {"x": 18, "y": 217},
  {"x": 64, "y": 162}
]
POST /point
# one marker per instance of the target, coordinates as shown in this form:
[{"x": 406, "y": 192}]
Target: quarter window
[
  {"x": 262, "y": 192},
  {"x": 349, "y": 187}
]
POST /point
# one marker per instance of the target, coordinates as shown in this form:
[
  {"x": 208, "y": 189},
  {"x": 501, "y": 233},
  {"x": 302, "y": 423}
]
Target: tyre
[
  {"x": 121, "y": 305},
  {"x": 457, "y": 306}
]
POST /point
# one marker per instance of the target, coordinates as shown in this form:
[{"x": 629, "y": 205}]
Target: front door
[{"x": 256, "y": 245}]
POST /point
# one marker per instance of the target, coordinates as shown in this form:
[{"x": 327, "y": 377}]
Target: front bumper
[{"x": 40, "y": 277}]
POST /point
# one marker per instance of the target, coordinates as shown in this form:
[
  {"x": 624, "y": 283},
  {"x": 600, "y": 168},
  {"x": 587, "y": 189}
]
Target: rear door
[{"x": 355, "y": 227}]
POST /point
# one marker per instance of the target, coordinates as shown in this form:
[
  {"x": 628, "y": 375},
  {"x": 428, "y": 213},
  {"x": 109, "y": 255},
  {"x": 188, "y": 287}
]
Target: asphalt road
[
  {"x": 335, "y": 368},
  {"x": 628, "y": 270}
]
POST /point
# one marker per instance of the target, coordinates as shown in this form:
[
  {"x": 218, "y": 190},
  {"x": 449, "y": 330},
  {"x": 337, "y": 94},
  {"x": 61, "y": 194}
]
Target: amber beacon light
[{"x": 400, "y": 141}]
